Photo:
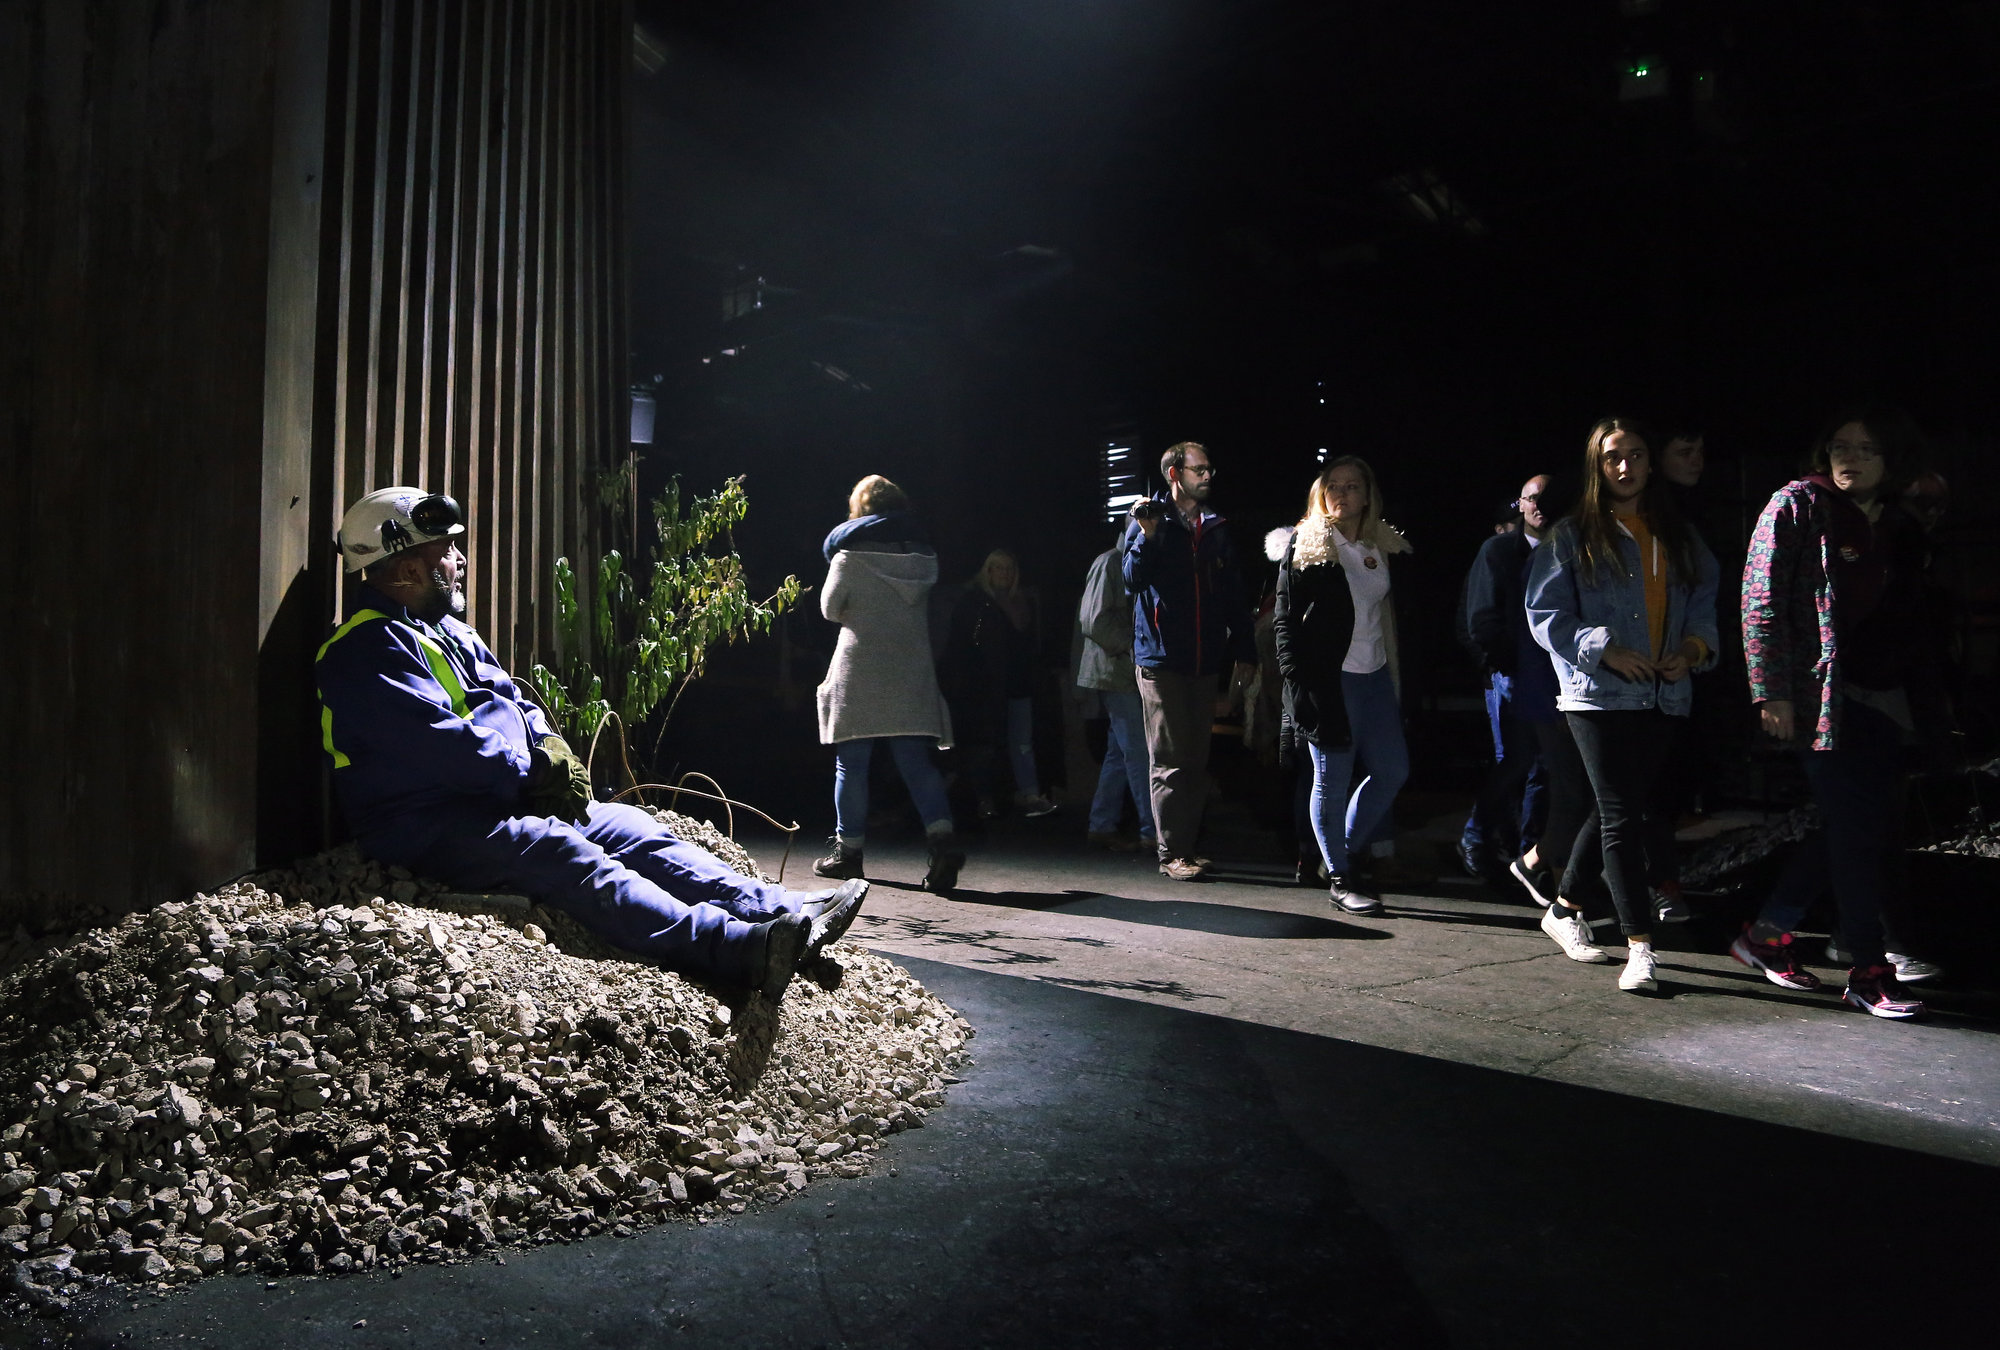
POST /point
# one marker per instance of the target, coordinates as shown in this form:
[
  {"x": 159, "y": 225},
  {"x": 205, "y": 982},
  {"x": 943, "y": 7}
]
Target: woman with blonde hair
[
  {"x": 1336, "y": 637},
  {"x": 880, "y": 685},
  {"x": 995, "y": 638}
]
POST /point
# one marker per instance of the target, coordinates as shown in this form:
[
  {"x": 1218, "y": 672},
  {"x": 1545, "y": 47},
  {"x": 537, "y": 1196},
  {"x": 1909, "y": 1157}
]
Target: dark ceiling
[{"x": 1199, "y": 217}]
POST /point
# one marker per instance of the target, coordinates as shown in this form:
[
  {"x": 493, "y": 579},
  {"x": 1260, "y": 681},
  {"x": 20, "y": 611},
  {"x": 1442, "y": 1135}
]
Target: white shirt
[{"x": 1368, "y": 579}]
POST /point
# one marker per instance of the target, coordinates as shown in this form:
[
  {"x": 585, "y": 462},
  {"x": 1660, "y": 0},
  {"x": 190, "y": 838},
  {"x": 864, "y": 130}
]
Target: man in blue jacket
[
  {"x": 442, "y": 766},
  {"x": 1189, "y": 619}
]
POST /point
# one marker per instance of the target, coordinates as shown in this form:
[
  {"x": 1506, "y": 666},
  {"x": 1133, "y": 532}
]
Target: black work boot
[
  {"x": 843, "y": 864},
  {"x": 782, "y": 946},
  {"x": 946, "y": 857},
  {"x": 832, "y": 916}
]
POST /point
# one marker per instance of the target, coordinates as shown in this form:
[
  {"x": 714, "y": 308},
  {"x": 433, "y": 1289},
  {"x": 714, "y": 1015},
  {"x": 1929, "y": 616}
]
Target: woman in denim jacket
[{"x": 1623, "y": 598}]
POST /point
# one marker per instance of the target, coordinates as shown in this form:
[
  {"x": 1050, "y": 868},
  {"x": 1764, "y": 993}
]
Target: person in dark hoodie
[
  {"x": 1501, "y": 827},
  {"x": 880, "y": 686},
  {"x": 1189, "y": 620}
]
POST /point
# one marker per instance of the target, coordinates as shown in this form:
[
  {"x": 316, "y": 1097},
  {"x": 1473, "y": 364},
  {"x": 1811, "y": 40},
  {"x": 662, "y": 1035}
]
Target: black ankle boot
[
  {"x": 843, "y": 864},
  {"x": 945, "y": 859}
]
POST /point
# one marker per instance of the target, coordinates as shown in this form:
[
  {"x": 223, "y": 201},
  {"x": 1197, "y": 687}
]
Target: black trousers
[
  {"x": 1622, "y": 752},
  {"x": 1570, "y": 802}
]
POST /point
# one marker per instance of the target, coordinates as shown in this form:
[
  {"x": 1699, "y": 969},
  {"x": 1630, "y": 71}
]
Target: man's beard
[{"x": 439, "y": 600}]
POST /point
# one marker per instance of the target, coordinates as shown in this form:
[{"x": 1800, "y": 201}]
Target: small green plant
[{"x": 652, "y": 634}]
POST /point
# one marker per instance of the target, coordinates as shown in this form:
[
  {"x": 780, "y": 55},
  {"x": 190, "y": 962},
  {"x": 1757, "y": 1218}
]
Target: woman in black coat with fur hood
[{"x": 1315, "y": 629}]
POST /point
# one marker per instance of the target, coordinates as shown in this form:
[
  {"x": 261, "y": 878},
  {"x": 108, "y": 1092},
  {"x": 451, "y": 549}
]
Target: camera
[{"x": 1147, "y": 509}]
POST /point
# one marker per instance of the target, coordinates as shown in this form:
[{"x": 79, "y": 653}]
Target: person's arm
[
  {"x": 834, "y": 595},
  {"x": 1701, "y": 626},
  {"x": 1555, "y": 606},
  {"x": 487, "y": 668},
  {"x": 1775, "y": 550},
  {"x": 382, "y": 703},
  {"x": 1285, "y": 620},
  {"x": 1487, "y": 621},
  {"x": 1105, "y": 613},
  {"x": 1140, "y": 556}
]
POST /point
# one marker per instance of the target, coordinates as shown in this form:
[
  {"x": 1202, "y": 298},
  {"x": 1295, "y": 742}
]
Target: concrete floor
[{"x": 1214, "y": 1114}]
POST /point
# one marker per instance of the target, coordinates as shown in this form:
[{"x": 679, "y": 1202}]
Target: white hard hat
[{"x": 393, "y": 520}]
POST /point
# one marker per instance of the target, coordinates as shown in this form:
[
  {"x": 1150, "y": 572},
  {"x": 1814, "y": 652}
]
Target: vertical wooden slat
[
  {"x": 405, "y": 464},
  {"x": 493, "y": 81},
  {"x": 379, "y": 183},
  {"x": 436, "y": 472},
  {"x": 472, "y": 29},
  {"x": 478, "y": 340},
  {"x": 343, "y": 366}
]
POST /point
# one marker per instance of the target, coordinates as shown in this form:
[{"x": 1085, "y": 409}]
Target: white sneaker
[
  {"x": 1573, "y": 936},
  {"x": 1910, "y": 969},
  {"x": 1637, "y": 977}
]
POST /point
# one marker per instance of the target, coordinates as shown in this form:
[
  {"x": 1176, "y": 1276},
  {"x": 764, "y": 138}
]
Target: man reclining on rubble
[{"x": 442, "y": 766}]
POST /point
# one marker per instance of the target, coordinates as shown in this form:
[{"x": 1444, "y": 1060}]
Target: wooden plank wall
[
  {"x": 475, "y": 281},
  {"x": 134, "y": 188},
  {"x": 256, "y": 260}
]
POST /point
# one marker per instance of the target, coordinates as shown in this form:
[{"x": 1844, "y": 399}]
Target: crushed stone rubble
[
  {"x": 1712, "y": 861},
  {"x": 341, "y": 1067}
]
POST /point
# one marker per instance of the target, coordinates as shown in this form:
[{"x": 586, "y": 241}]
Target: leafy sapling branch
[{"x": 648, "y": 633}]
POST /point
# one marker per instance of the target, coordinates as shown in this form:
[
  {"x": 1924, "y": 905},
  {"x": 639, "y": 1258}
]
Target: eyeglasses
[
  {"x": 436, "y": 515},
  {"x": 1199, "y": 470},
  {"x": 1522, "y": 503},
  {"x": 1853, "y": 450}
]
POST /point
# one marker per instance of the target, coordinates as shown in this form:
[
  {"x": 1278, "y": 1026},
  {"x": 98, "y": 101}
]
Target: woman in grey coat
[{"x": 881, "y": 685}]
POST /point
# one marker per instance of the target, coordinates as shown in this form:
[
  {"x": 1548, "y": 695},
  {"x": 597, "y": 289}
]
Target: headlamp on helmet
[{"x": 395, "y": 520}]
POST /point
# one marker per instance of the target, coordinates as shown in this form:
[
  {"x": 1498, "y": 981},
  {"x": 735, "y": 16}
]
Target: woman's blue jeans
[
  {"x": 920, "y": 775},
  {"x": 1021, "y": 745},
  {"x": 1376, "y": 718},
  {"x": 1126, "y": 768}
]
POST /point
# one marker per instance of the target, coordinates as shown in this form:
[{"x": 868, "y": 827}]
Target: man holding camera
[{"x": 1189, "y": 619}]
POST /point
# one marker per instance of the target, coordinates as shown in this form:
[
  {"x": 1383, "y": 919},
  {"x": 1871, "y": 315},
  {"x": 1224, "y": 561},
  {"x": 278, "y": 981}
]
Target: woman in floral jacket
[{"x": 1831, "y": 592}]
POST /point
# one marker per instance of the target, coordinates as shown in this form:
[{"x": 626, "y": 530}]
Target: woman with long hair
[
  {"x": 1336, "y": 638},
  {"x": 1832, "y": 606},
  {"x": 1622, "y": 596},
  {"x": 995, "y": 638},
  {"x": 880, "y": 686}
]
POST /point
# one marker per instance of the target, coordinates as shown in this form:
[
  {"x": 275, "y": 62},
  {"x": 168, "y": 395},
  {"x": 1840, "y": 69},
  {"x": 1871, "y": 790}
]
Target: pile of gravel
[
  {"x": 341, "y": 1067},
  {"x": 1712, "y": 863}
]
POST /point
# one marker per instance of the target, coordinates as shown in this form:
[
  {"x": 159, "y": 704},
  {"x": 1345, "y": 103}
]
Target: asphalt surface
[{"x": 1216, "y": 1115}]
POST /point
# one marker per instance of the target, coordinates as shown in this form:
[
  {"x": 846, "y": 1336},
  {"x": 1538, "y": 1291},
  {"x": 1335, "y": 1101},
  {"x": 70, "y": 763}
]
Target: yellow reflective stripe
[
  {"x": 441, "y": 669},
  {"x": 363, "y": 617},
  {"x": 434, "y": 657},
  {"x": 340, "y": 760}
]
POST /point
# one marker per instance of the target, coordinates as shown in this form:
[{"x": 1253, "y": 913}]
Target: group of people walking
[{"x": 1592, "y": 627}]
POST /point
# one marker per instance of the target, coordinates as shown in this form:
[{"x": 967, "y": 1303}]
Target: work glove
[{"x": 558, "y": 782}]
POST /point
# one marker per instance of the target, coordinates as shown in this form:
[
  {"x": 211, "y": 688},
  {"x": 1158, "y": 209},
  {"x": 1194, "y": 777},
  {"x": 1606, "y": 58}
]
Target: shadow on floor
[
  {"x": 1192, "y": 916},
  {"x": 1116, "y": 1173}
]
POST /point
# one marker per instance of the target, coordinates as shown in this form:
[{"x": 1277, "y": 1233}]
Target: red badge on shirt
[{"x": 1368, "y": 563}]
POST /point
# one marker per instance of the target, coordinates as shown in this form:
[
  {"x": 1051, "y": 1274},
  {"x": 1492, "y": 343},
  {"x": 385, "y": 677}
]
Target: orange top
[{"x": 1653, "y": 567}]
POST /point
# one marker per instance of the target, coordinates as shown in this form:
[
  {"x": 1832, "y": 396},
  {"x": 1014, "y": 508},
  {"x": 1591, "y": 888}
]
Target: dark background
[{"x": 1436, "y": 234}]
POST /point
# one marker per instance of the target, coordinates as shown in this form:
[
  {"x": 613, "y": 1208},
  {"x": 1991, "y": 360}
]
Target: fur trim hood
[{"x": 1312, "y": 542}]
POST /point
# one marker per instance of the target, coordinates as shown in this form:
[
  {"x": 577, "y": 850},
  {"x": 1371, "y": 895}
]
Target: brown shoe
[{"x": 1182, "y": 869}]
